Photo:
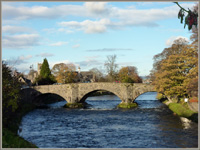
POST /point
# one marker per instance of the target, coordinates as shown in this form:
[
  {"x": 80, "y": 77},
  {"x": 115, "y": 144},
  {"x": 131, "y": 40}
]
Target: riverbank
[
  {"x": 10, "y": 138},
  {"x": 181, "y": 109}
]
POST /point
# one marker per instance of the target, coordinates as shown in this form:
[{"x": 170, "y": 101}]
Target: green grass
[
  {"x": 183, "y": 111},
  {"x": 11, "y": 140},
  {"x": 127, "y": 105}
]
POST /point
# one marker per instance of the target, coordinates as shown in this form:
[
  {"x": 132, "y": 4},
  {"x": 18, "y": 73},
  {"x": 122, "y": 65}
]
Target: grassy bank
[
  {"x": 11, "y": 140},
  {"x": 10, "y": 129},
  {"x": 183, "y": 111}
]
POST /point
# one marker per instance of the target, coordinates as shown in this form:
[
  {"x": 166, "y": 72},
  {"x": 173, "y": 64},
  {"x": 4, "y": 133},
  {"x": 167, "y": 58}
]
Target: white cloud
[
  {"x": 76, "y": 46},
  {"x": 87, "y": 26},
  {"x": 59, "y": 43},
  {"x": 109, "y": 49},
  {"x": 117, "y": 18},
  {"x": 44, "y": 55},
  {"x": 16, "y": 29},
  {"x": 96, "y": 7},
  {"x": 20, "y": 41},
  {"x": 102, "y": 16},
  {"x": 19, "y": 60},
  {"x": 25, "y": 57},
  {"x": 24, "y": 12},
  {"x": 171, "y": 40}
]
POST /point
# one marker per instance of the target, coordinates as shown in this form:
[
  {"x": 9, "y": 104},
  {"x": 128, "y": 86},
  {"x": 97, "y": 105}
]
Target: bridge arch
[
  {"x": 87, "y": 94},
  {"x": 47, "y": 98},
  {"x": 139, "y": 91}
]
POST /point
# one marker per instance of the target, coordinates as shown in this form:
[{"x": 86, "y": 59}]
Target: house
[
  {"x": 85, "y": 76},
  {"x": 25, "y": 82}
]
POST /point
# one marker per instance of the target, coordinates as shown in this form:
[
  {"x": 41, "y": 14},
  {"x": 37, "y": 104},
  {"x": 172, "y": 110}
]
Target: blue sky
[{"x": 85, "y": 33}]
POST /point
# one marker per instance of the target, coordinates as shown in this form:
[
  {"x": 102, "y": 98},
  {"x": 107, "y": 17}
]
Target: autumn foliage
[
  {"x": 129, "y": 75},
  {"x": 64, "y": 73},
  {"x": 175, "y": 72}
]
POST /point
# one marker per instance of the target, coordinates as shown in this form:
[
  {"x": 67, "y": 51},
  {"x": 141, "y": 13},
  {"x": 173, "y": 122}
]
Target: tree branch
[{"x": 181, "y": 7}]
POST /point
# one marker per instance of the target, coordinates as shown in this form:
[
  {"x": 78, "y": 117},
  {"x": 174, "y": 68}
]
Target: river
[{"x": 102, "y": 125}]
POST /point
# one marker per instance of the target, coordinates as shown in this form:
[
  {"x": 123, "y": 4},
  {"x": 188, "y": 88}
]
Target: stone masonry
[{"x": 78, "y": 92}]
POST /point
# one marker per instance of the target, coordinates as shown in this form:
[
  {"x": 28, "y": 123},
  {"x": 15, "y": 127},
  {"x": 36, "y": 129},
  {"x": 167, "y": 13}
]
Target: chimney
[{"x": 79, "y": 70}]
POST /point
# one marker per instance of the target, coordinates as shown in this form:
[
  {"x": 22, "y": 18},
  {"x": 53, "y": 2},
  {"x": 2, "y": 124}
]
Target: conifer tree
[
  {"x": 45, "y": 76},
  {"x": 45, "y": 71}
]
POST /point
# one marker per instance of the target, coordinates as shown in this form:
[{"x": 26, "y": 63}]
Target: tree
[
  {"x": 45, "y": 76},
  {"x": 129, "y": 75},
  {"x": 10, "y": 93},
  {"x": 59, "y": 71},
  {"x": 175, "y": 49},
  {"x": 194, "y": 38},
  {"x": 45, "y": 70},
  {"x": 191, "y": 19},
  {"x": 64, "y": 73},
  {"x": 111, "y": 67},
  {"x": 70, "y": 77},
  {"x": 173, "y": 70}
]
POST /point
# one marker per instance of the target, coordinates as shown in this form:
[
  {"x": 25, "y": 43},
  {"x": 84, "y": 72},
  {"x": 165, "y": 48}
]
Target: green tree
[
  {"x": 45, "y": 76},
  {"x": 10, "y": 93},
  {"x": 45, "y": 70}
]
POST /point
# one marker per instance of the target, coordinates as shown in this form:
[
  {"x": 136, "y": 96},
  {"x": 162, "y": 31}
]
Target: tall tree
[
  {"x": 45, "y": 70},
  {"x": 45, "y": 76},
  {"x": 111, "y": 67},
  {"x": 173, "y": 70}
]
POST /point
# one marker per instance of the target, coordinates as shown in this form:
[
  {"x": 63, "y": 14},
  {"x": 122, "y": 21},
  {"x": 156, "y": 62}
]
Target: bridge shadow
[
  {"x": 40, "y": 100},
  {"x": 48, "y": 98}
]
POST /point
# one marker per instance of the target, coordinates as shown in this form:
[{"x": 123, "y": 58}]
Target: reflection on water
[{"x": 103, "y": 125}]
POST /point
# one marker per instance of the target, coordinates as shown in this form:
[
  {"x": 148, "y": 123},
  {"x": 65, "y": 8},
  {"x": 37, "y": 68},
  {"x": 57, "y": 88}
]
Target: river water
[{"x": 102, "y": 125}]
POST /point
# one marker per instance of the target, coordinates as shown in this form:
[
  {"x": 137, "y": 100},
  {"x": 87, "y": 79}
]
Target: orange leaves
[
  {"x": 64, "y": 73},
  {"x": 129, "y": 75},
  {"x": 175, "y": 70}
]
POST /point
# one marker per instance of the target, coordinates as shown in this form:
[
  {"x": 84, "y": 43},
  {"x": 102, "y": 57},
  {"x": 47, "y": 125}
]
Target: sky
[{"x": 86, "y": 33}]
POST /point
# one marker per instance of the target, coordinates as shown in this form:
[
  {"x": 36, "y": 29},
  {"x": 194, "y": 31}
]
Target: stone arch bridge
[{"x": 78, "y": 92}]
